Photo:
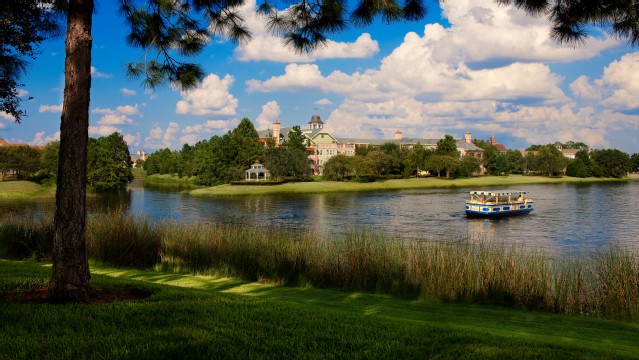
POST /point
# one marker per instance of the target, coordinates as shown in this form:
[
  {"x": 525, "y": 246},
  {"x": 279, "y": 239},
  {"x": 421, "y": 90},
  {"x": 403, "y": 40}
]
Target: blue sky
[{"x": 469, "y": 66}]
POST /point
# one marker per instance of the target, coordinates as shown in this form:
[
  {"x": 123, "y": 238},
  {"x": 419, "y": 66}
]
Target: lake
[{"x": 567, "y": 218}]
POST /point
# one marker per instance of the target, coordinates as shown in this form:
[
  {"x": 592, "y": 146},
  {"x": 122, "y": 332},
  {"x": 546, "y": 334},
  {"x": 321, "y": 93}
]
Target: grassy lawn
[
  {"x": 205, "y": 317},
  {"x": 423, "y": 183},
  {"x": 24, "y": 189}
]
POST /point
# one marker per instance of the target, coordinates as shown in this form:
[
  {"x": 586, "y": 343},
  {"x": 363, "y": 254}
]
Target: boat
[{"x": 498, "y": 203}]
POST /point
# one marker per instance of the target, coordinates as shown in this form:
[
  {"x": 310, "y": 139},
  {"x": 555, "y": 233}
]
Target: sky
[{"x": 471, "y": 65}]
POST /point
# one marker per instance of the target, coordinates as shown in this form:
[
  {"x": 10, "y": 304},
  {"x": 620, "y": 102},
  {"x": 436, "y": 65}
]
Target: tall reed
[{"x": 602, "y": 284}]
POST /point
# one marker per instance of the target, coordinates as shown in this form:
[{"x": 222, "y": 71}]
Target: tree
[
  {"x": 447, "y": 146},
  {"x": 515, "y": 161},
  {"x": 614, "y": 163},
  {"x": 571, "y": 20},
  {"x": 441, "y": 163},
  {"x": 634, "y": 163},
  {"x": 166, "y": 28},
  {"x": 337, "y": 168},
  {"x": 416, "y": 158},
  {"x": 49, "y": 159},
  {"x": 550, "y": 160},
  {"x": 23, "y": 26},
  {"x": 109, "y": 163},
  {"x": 470, "y": 165}
]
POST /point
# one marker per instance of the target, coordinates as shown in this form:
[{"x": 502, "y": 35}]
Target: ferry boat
[{"x": 498, "y": 203}]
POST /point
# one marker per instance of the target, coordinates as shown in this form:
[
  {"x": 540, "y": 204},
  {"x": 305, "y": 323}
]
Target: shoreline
[
  {"x": 26, "y": 190},
  {"x": 319, "y": 187}
]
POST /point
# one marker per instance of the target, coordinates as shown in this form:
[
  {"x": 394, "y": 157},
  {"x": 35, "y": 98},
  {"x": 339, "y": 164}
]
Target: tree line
[
  {"x": 222, "y": 159},
  {"x": 109, "y": 163}
]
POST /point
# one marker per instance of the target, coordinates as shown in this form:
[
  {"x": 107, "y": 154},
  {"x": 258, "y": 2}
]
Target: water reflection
[{"x": 567, "y": 218}]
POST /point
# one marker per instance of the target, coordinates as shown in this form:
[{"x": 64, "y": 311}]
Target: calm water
[{"x": 567, "y": 218}]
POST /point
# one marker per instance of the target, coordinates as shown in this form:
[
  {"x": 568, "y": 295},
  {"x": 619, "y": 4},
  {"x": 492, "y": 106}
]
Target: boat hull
[{"x": 498, "y": 210}]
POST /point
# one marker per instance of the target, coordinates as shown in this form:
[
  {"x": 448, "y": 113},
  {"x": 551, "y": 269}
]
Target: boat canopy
[{"x": 498, "y": 192}]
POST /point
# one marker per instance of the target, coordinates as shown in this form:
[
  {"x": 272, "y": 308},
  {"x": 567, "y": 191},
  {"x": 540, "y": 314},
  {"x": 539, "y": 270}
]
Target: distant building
[
  {"x": 140, "y": 155},
  {"x": 323, "y": 145}
]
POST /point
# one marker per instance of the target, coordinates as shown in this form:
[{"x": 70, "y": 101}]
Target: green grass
[
  {"x": 20, "y": 189},
  {"x": 601, "y": 284},
  {"x": 167, "y": 181},
  {"x": 422, "y": 183},
  {"x": 202, "y": 317}
]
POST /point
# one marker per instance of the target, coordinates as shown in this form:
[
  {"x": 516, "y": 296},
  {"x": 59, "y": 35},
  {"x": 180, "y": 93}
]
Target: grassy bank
[
  {"x": 20, "y": 189},
  {"x": 422, "y": 183},
  {"x": 170, "y": 181},
  {"x": 204, "y": 317},
  {"x": 602, "y": 285}
]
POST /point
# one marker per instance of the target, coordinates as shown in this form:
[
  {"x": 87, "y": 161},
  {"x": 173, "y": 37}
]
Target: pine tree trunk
[{"x": 70, "y": 275}]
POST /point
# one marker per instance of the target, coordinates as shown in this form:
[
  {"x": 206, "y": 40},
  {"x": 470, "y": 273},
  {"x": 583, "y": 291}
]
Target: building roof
[{"x": 3, "y": 143}]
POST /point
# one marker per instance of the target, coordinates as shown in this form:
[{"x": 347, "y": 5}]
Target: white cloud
[
  {"x": 22, "y": 93},
  {"x": 115, "y": 119},
  {"x": 270, "y": 112},
  {"x": 266, "y": 46},
  {"x": 529, "y": 124},
  {"x": 159, "y": 138},
  {"x": 132, "y": 140},
  {"x": 323, "y": 102},
  {"x": 212, "y": 97},
  {"x": 121, "y": 110},
  {"x": 95, "y": 73},
  {"x": 127, "y": 92},
  {"x": 41, "y": 138},
  {"x": 6, "y": 116},
  {"x": 617, "y": 88},
  {"x": 128, "y": 109},
  {"x": 103, "y": 130},
  {"x": 485, "y": 30},
  {"x": 50, "y": 108}
]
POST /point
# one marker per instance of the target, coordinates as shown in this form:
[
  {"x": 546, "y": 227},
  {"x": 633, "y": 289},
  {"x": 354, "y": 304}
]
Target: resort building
[
  {"x": 139, "y": 156},
  {"x": 323, "y": 145}
]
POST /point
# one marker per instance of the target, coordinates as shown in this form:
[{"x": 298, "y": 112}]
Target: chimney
[
  {"x": 398, "y": 135},
  {"x": 276, "y": 132},
  {"x": 493, "y": 141},
  {"x": 468, "y": 137}
]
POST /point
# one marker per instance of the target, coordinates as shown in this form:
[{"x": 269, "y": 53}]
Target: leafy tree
[
  {"x": 337, "y": 168},
  {"x": 491, "y": 159},
  {"x": 296, "y": 139},
  {"x": 469, "y": 165},
  {"x": 634, "y": 163},
  {"x": 550, "y": 160},
  {"x": 447, "y": 146},
  {"x": 109, "y": 163},
  {"x": 22, "y": 160},
  {"x": 284, "y": 161},
  {"x": 383, "y": 163},
  {"x": 614, "y": 163},
  {"x": 363, "y": 150},
  {"x": 438, "y": 163},
  {"x": 416, "y": 158},
  {"x": 5, "y": 162},
  {"x": 515, "y": 161},
  {"x": 362, "y": 166},
  {"x": 49, "y": 159},
  {"x": 163, "y": 29},
  {"x": 577, "y": 168},
  {"x": 571, "y": 20},
  {"x": 24, "y": 24}
]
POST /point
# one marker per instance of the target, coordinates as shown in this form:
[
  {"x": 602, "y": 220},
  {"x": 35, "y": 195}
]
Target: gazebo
[{"x": 257, "y": 172}]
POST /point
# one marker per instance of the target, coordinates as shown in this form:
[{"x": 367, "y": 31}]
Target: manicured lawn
[
  {"x": 203, "y": 317},
  {"x": 24, "y": 189},
  {"x": 423, "y": 183}
]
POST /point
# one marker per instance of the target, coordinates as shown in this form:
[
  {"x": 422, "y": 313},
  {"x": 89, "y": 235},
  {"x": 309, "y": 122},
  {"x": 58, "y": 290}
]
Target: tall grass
[{"x": 603, "y": 284}]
